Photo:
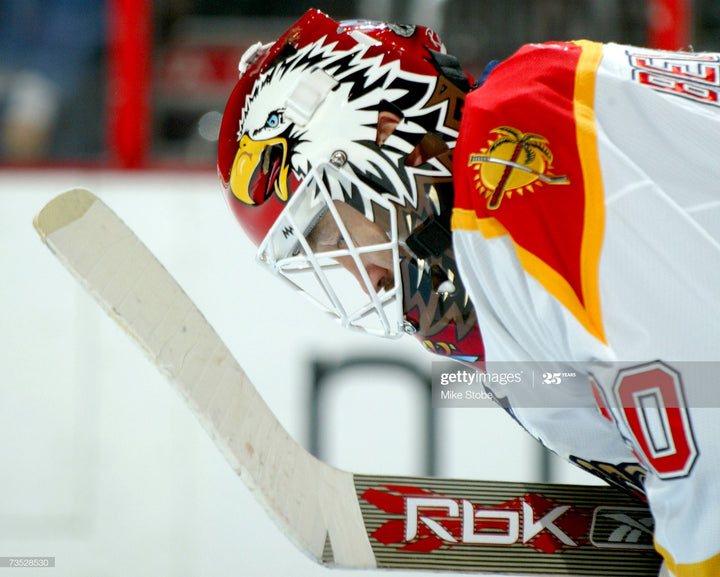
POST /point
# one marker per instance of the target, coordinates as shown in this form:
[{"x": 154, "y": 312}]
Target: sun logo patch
[{"x": 514, "y": 161}]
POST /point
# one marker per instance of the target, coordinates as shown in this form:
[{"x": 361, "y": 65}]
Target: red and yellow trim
[
  {"x": 586, "y": 129},
  {"x": 580, "y": 296}
]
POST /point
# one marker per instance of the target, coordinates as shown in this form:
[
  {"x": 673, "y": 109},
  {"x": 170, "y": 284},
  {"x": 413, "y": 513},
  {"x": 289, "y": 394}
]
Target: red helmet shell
[{"x": 409, "y": 45}]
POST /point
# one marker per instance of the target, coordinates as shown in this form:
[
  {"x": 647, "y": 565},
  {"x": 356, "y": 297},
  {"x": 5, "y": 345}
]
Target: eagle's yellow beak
[{"x": 260, "y": 169}]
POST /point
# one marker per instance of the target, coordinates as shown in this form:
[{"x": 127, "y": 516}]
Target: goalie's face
[
  {"x": 317, "y": 240},
  {"x": 328, "y": 236}
]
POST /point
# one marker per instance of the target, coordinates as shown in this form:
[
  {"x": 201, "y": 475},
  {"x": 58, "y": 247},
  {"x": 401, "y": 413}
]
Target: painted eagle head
[{"x": 359, "y": 106}]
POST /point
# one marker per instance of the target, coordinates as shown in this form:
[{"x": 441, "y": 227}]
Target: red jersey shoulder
[
  {"x": 517, "y": 122},
  {"x": 532, "y": 66},
  {"x": 523, "y": 161}
]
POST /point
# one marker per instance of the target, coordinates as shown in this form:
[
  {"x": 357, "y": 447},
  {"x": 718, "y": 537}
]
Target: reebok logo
[
  {"x": 622, "y": 528},
  {"x": 424, "y": 521}
]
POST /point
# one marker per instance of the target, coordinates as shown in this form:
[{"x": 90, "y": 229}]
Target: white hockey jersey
[{"x": 587, "y": 231}]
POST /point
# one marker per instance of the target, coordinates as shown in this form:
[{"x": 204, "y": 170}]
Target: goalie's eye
[{"x": 273, "y": 120}]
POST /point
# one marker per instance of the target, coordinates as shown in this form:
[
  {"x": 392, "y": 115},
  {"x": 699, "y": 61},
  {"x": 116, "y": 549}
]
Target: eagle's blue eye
[{"x": 273, "y": 120}]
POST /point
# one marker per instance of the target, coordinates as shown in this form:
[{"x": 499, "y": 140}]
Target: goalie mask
[{"x": 335, "y": 155}]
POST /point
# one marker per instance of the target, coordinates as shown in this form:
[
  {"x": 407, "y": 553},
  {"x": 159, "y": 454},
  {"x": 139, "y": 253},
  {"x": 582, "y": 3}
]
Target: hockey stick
[{"x": 336, "y": 517}]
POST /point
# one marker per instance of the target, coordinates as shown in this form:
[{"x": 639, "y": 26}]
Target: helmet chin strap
[{"x": 432, "y": 237}]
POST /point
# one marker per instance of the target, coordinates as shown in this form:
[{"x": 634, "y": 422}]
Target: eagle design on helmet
[{"x": 364, "y": 114}]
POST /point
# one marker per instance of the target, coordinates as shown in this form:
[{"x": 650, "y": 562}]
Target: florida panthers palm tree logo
[{"x": 514, "y": 161}]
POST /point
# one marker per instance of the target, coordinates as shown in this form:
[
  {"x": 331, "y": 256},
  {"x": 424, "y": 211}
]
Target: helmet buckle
[{"x": 309, "y": 92}]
